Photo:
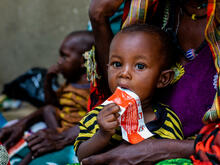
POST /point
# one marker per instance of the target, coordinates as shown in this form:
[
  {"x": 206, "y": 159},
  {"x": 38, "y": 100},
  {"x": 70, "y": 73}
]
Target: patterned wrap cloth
[
  {"x": 207, "y": 150},
  {"x": 212, "y": 34},
  {"x": 73, "y": 101},
  {"x": 178, "y": 161},
  {"x": 138, "y": 11}
]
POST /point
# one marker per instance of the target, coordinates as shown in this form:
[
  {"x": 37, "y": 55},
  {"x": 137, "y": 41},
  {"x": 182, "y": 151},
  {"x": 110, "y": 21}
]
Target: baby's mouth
[{"x": 124, "y": 87}]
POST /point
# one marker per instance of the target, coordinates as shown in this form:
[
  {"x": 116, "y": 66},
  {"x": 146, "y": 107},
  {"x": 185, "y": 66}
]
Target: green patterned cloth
[{"x": 178, "y": 161}]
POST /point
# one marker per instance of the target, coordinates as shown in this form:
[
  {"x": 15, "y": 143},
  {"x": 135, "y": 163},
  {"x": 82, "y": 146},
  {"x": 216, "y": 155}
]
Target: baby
[{"x": 140, "y": 59}]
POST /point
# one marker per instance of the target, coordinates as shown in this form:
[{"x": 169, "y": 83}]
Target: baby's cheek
[
  {"x": 112, "y": 87},
  {"x": 112, "y": 82}
]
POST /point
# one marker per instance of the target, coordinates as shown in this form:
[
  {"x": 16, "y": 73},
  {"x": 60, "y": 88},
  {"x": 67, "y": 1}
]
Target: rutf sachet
[{"x": 131, "y": 117}]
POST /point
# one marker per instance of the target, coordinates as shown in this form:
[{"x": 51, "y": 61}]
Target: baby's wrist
[{"x": 104, "y": 134}]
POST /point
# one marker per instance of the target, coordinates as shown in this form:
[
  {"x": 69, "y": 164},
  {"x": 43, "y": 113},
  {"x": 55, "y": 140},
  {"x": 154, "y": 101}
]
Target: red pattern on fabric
[
  {"x": 155, "y": 4},
  {"x": 207, "y": 145},
  {"x": 95, "y": 98},
  {"x": 126, "y": 10}
]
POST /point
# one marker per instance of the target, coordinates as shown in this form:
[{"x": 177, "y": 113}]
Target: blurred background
[{"x": 31, "y": 32}]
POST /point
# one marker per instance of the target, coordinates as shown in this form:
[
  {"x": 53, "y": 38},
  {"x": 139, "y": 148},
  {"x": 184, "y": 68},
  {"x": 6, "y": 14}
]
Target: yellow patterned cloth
[{"x": 73, "y": 101}]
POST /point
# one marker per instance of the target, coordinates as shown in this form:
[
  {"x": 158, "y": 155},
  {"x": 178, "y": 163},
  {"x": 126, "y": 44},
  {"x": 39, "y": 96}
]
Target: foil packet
[{"x": 131, "y": 117}]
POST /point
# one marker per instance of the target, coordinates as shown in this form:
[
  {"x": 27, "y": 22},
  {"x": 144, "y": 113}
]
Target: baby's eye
[
  {"x": 139, "y": 66},
  {"x": 116, "y": 64}
]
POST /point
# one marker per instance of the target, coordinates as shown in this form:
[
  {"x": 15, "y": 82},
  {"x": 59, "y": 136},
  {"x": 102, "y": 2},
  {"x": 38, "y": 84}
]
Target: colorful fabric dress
[
  {"x": 73, "y": 104},
  {"x": 193, "y": 94},
  {"x": 207, "y": 150},
  {"x": 166, "y": 126}
]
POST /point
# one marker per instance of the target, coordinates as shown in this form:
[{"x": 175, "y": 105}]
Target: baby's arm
[{"x": 108, "y": 121}]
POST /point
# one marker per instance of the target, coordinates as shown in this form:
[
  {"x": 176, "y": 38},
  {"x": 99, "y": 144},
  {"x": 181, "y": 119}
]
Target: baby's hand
[{"x": 108, "y": 119}]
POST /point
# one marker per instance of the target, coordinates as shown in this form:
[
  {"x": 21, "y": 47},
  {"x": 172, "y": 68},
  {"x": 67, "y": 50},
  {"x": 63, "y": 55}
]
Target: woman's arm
[
  {"x": 99, "y": 12},
  {"x": 49, "y": 140},
  {"x": 148, "y": 151}
]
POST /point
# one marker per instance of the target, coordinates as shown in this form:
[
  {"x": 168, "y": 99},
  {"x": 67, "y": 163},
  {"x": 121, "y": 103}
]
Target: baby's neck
[{"x": 148, "y": 112}]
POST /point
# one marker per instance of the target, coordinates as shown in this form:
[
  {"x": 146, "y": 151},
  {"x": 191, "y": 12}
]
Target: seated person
[
  {"x": 65, "y": 107},
  {"x": 192, "y": 95},
  {"x": 140, "y": 59}
]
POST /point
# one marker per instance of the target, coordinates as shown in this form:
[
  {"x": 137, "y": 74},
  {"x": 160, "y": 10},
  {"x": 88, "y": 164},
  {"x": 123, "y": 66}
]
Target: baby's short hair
[{"x": 167, "y": 48}]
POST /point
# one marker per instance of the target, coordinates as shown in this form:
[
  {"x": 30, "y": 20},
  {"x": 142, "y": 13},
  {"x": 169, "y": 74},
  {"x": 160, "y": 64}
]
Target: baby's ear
[{"x": 165, "y": 78}]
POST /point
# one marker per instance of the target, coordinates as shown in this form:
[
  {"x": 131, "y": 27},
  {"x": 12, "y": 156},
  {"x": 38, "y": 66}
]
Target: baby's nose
[{"x": 125, "y": 73}]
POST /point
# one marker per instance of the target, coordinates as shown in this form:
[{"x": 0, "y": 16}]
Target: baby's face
[{"x": 134, "y": 63}]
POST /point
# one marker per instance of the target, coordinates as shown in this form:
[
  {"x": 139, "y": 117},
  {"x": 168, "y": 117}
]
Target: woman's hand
[
  {"x": 10, "y": 135},
  {"x": 103, "y": 8},
  {"x": 49, "y": 140}
]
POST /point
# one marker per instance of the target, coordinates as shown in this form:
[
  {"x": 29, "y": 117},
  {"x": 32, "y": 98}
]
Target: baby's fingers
[
  {"x": 112, "y": 126},
  {"x": 112, "y": 117},
  {"x": 111, "y": 109}
]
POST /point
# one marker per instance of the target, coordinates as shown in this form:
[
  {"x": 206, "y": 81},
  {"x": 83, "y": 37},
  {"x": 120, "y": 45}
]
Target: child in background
[
  {"x": 71, "y": 99},
  {"x": 65, "y": 107},
  {"x": 140, "y": 59}
]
